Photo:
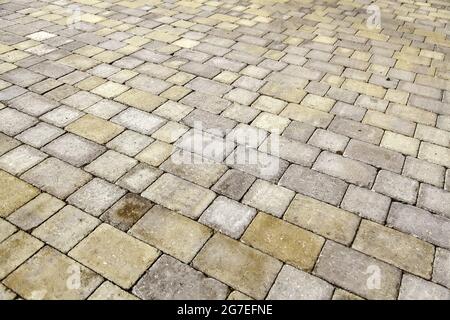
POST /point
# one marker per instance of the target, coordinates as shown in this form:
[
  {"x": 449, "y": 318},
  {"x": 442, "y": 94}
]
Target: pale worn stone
[
  {"x": 111, "y": 165},
  {"x": 434, "y": 199},
  {"x": 415, "y": 288},
  {"x": 139, "y": 178},
  {"x": 14, "y": 193},
  {"x": 109, "y": 291},
  {"x": 234, "y": 184},
  {"x": 6, "y": 229},
  {"x": 424, "y": 171},
  {"x": 21, "y": 159},
  {"x": 95, "y": 129},
  {"x": 396, "y": 186},
  {"x": 441, "y": 269}
]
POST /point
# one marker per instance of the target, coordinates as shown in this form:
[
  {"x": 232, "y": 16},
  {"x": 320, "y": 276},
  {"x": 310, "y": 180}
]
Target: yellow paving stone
[
  {"x": 400, "y": 143},
  {"x": 412, "y": 113},
  {"x": 90, "y": 83},
  {"x": 110, "y": 89},
  {"x": 397, "y": 96},
  {"x": 318, "y": 102},
  {"x": 284, "y": 241},
  {"x": 304, "y": 114},
  {"x": 186, "y": 43},
  {"x": 89, "y": 51},
  {"x": 283, "y": 92},
  {"x": 14, "y": 193},
  {"x": 115, "y": 255},
  {"x": 140, "y": 99},
  {"x": 109, "y": 291},
  {"x": 402, "y": 250},
  {"x": 175, "y": 93},
  {"x": 270, "y": 122},
  {"x": 364, "y": 88},
  {"x": 170, "y": 132},
  {"x": 171, "y": 232},
  {"x": 435, "y": 154},
  {"x": 181, "y": 78},
  {"x": 156, "y": 153},
  {"x": 95, "y": 128},
  {"x": 79, "y": 62},
  {"x": 108, "y": 56},
  {"x": 226, "y": 77},
  {"x": 323, "y": 219}
]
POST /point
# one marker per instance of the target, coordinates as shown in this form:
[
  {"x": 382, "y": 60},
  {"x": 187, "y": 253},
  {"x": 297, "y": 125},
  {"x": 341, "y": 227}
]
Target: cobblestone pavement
[{"x": 224, "y": 149}]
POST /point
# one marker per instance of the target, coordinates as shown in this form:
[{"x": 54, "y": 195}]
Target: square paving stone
[
  {"x": 127, "y": 211},
  {"x": 115, "y": 255},
  {"x": 268, "y": 197},
  {"x": 16, "y": 250},
  {"x": 95, "y": 129},
  {"x": 56, "y": 177},
  {"x": 62, "y": 116},
  {"x": 139, "y": 178},
  {"x": 111, "y": 165},
  {"x": 228, "y": 216},
  {"x": 66, "y": 228},
  {"x": 81, "y": 100},
  {"x": 33, "y": 104},
  {"x": 74, "y": 149},
  {"x": 130, "y": 142},
  {"x": 171, "y": 232},
  {"x": 284, "y": 241},
  {"x": 233, "y": 184},
  {"x": 40, "y": 135},
  {"x": 47, "y": 275},
  {"x": 179, "y": 195},
  {"x": 139, "y": 99},
  {"x": 22, "y": 77},
  {"x": 169, "y": 279},
  {"x": 137, "y": 120},
  {"x": 14, "y": 193},
  {"x": 96, "y": 196},
  {"x": 21, "y": 159},
  {"x": 36, "y": 211},
  {"x": 105, "y": 109},
  {"x": 241, "y": 267},
  {"x": 14, "y": 122}
]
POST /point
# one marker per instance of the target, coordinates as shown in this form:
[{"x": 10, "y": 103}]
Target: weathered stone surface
[
  {"x": 434, "y": 199},
  {"x": 109, "y": 291},
  {"x": 14, "y": 193},
  {"x": 441, "y": 270},
  {"x": 396, "y": 186},
  {"x": 234, "y": 184},
  {"x": 415, "y": 288}
]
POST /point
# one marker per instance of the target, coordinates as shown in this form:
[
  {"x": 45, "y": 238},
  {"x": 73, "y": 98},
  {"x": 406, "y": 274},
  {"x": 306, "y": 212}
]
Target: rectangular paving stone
[
  {"x": 311, "y": 116},
  {"x": 284, "y": 241},
  {"x": 420, "y": 223},
  {"x": 396, "y": 186},
  {"x": 374, "y": 155},
  {"x": 169, "y": 279},
  {"x": 328, "y": 140},
  {"x": 95, "y": 129},
  {"x": 400, "y": 143},
  {"x": 139, "y": 178},
  {"x": 435, "y": 154},
  {"x": 111, "y": 165},
  {"x": 47, "y": 275},
  {"x": 33, "y": 104},
  {"x": 314, "y": 184},
  {"x": 141, "y": 100},
  {"x": 441, "y": 270},
  {"x": 129, "y": 143},
  {"x": 408, "y": 253},
  {"x": 356, "y": 272},
  {"x": 14, "y": 122},
  {"x": 7, "y": 143},
  {"x": 434, "y": 199},
  {"x": 171, "y": 232},
  {"x": 234, "y": 184},
  {"x": 115, "y": 255},
  {"x": 356, "y": 130},
  {"x": 66, "y": 228},
  {"x": 138, "y": 120},
  {"x": 389, "y": 122},
  {"x": 15, "y": 250},
  {"x": 6, "y": 229},
  {"x": 40, "y": 135},
  {"x": 21, "y": 159},
  {"x": 294, "y": 284},
  {"x": 206, "y": 102},
  {"x": 415, "y": 288},
  {"x": 179, "y": 195},
  {"x": 224, "y": 259},
  {"x": 321, "y": 218}
]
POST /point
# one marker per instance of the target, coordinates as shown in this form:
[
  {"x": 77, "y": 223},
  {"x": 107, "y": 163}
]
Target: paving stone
[
  {"x": 347, "y": 169},
  {"x": 420, "y": 223},
  {"x": 300, "y": 113},
  {"x": 208, "y": 86},
  {"x": 74, "y": 149},
  {"x": 293, "y": 284},
  {"x": 111, "y": 165},
  {"x": 172, "y": 233},
  {"x": 314, "y": 184},
  {"x": 340, "y": 294},
  {"x": 115, "y": 255},
  {"x": 170, "y": 279},
  {"x": 247, "y": 135},
  {"x": 356, "y": 130},
  {"x": 14, "y": 122},
  {"x": 153, "y": 85},
  {"x": 441, "y": 270},
  {"x": 409, "y": 253},
  {"x": 6, "y": 294},
  {"x": 96, "y": 196},
  {"x": 299, "y": 131},
  {"x": 206, "y": 102},
  {"x": 366, "y": 203},
  {"x": 179, "y": 195},
  {"x": 14, "y": 193},
  {"x": 22, "y": 77},
  {"x": 36, "y": 211},
  {"x": 66, "y": 228},
  {"x": 322, "y": 218},
  {"x": 228, "y": 216},
  {"x": 415, "y": 288},
  {"x": 173, "y": 111},
  {"x": 138, "y": 120},
  {"x": 375, "y": 156},
  {"x": 95, "y": 129},
  {"x": 209, "y": 122},
  {"x": 396, "y": 186},
  {"x": 81, "y": 100},
  {"x": 40, "y": 135},
  {"x": 356, "y": 272},
  {"x": 33, "y": 104},
  {"x": 109, "y": 291},
  {"x": 62, "y": 116},
  {"x": 15, "y": 250},
  {"x": 433, "y": 153},
  {"x": 130, "y": 142},
  {"x": 260, "y": 269},
  {"x": 389, "y": 122},
  {"x": 21, "y": 159},
  {"x": 139, "y": 99},
  {"x": 105, "y": 109},
  {"x": 7, "y": 143},
  {"x": 139, "y": 178},
  {"x": 434, "y": 199},
  {"x": 234, "y": 184},
  {"x": 11, "y": 92},
  {"x": 49, "y": 275},
  {"x": 201, "y": 70},
  {"x": 328, "y": 140},
  {"x": 6, "y": 229}
]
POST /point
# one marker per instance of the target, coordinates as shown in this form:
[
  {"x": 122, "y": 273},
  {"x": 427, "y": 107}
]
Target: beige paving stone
[
  {"x": 6, "y": 229},
  {"x": 95, "y": 129},
  {"x": 6, "y": 294},
  {"x": 322, "y": 218},
  {"x": 284, "y": 241},
  {"x": 14, "y": 193},
  {"x": 400, "y": 143},
  {"x": 110, "y": 89},
  {"x": 156, "y": 153},
  {"x": 238, "y": 265},
  {"x": 171, "y": 232},
  {"x": 50, "y": 275},
  {"x": 305, "y": 114},
  {"x": 340, "y": 294},
  {"x": 15, "y": 250},
  {"x": 408, "y": 253},
  {"x": 109, "y": 291},
  {"x": 140, "y": 99},
  {"x": 435, "y": 154},
  {"x": 115, "y": 255}
]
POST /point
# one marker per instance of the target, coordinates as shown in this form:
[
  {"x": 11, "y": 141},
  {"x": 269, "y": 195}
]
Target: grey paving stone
[
  {"x": 105, "y": 108},
  {"x": 247, "y": 135},
  {"x": 22, "y": 77},
  {"x": 415, "y": 288},
  {"x": 111, "y": 165},
  {"x": 56, "y": 177},
  {"x": 14, "y": 122},
  {"x": 130, "y": 143},
  {"x": 11, "y": 92},
  {"x": 149, "y": 84},
  {"x": 368, "y": 204},
  {"x": 205, "y": 71},
  {"x": 62, "y": 116},
  {"x": 434, "y": 199},
  {"x": 299, "y": 131},
  {"x": 21, "y": 159},
  {"x": 328, "y": 140},
  {"x": 375, "y": 156},
  {"x": 348, "y": 111},
  {"x": 356, "y": 130},
  {"x": 169, "y": 279},
  {"x": 96, "y": 196},
  {"x": 424, "y": 171},
  {"x": 346, "y": 169},
  {"x": 209, "y": 122},
  {"x": 81, "y": 100},
  {"x": 234, "y": 184},
  {"x": 294, "y": 284},
  {"x": 139, "y": 178},
  {"x": 74, "y": 149},
  {"x": 228, "y": 216},
  {"x": 140, "y": 121},
  {"x": 207, "y": 86},
  {"x": 261, "y": 191},
  {"x": 356, "y": 272},
  {"x": 396, "y": 186},
  {"x": 241, "y": 96},
  {"x": 206, "y": 102},
  {"x": 33, "y": 104},
  {"x": 441, "y": 269},
  {"x": 40, "y": 135},
  {"x": 51, "y": 69},
  {"x": 420, "y": 223},
  {"x": 314, "y": 184}
]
